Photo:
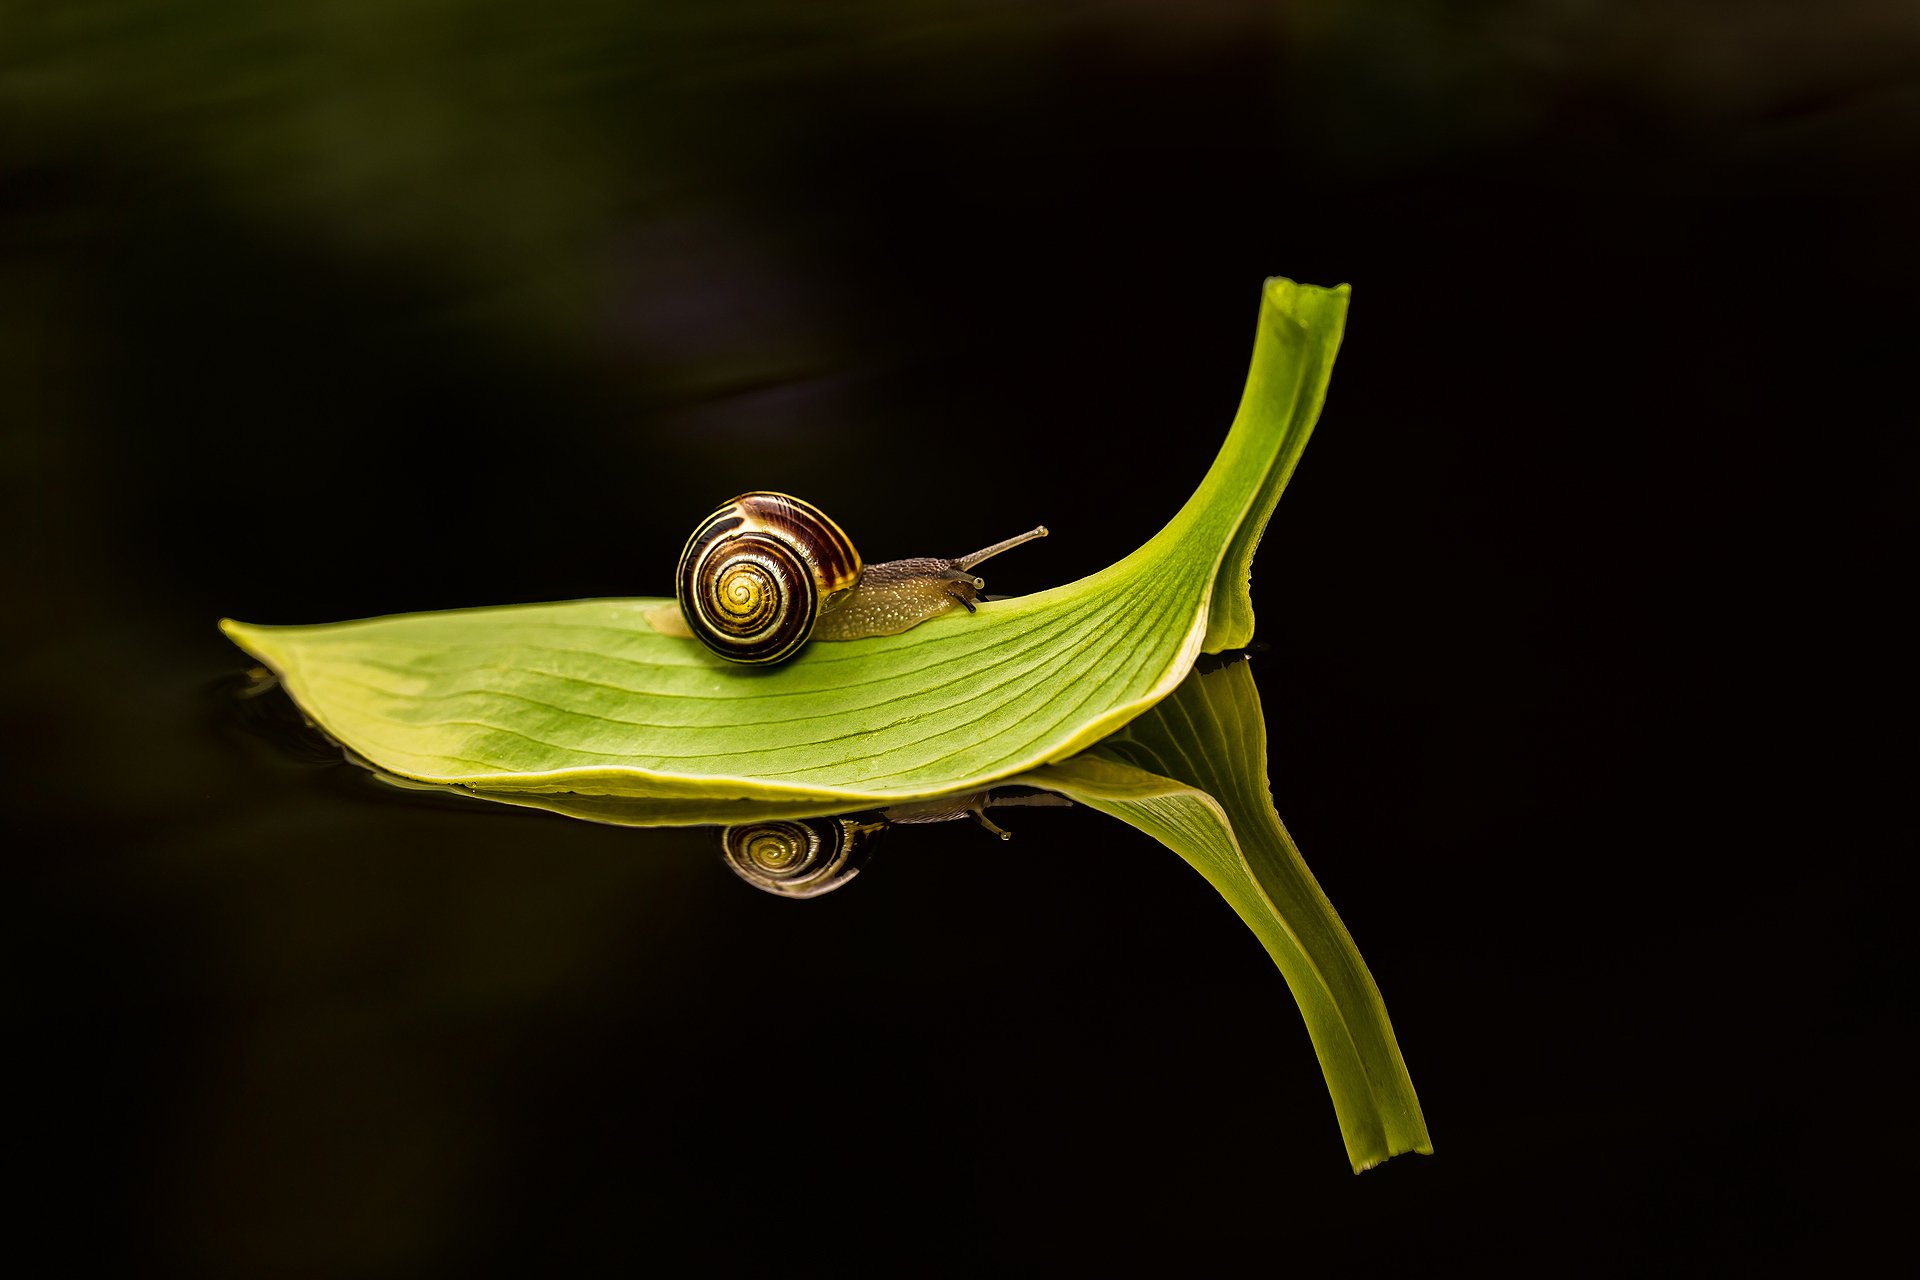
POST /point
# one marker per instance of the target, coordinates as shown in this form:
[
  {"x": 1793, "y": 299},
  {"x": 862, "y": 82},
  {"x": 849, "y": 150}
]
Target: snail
[
  {"x": 799, "y": 858},
  {"x": 806, "y": 857},
  {"x": 767, "y": 572}
]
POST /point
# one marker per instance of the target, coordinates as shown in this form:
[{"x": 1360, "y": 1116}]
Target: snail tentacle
[{"x": 987, "y": 553}]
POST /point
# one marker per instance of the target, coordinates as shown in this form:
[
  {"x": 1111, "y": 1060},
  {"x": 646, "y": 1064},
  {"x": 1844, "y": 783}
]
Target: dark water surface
[{"x": 318, "y": 312}]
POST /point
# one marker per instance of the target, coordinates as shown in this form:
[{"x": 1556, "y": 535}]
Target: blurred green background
[{"x": 320, "y": 310}]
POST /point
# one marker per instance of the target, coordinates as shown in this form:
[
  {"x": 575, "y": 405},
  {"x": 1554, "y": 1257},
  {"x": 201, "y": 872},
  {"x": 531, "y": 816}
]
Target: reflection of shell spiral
[
  {"x": 757, "y": 573},
  {"x": 798, "y": 859}
]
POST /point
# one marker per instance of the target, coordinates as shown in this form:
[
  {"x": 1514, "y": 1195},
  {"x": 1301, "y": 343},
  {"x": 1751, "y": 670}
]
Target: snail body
[{"x": 767, "y": 572}]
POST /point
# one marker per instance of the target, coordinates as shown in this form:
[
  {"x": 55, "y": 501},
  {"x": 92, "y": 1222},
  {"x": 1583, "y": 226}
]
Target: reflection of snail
[
  {"x": 806, "y": 857},
  {"x": 799, "y": 858},
  {"x": 766, "y": 572}
]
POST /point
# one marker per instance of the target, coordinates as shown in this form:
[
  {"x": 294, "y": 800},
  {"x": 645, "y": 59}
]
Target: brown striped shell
[
  {"x": 799, "y": 858},
  {"x": 758, "y": 572}
]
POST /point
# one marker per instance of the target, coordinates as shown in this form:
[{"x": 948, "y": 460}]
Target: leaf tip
[
  {"x": 1374, "y": 1161},
  {"x": 246, "y": 635},
  {"x": 1308, "y": 305},
  {"x": 1279, "y": 287}
]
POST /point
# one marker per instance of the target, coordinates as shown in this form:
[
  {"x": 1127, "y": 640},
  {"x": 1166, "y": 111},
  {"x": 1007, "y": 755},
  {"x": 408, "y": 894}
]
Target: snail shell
[
  {"x": 797, "y": 858},
  {"x": 767, "y": 572},
  {"x": 757, "y": 574}
]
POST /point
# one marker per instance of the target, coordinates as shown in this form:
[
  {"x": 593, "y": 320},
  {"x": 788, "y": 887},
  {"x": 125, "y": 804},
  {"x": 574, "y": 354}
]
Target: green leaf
[
  {"x": 1192, "y": 774},
  {"x": 586, "y": 697}
]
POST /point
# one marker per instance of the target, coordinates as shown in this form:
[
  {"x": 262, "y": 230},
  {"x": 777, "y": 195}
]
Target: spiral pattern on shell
[
  {"x": 756, "y": 574},
  {"x": 798, "y": 858}
]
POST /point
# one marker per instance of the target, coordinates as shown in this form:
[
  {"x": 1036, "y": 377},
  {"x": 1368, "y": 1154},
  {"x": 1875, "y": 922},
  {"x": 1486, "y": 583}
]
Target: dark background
[{"x": 1578, "y": 616}]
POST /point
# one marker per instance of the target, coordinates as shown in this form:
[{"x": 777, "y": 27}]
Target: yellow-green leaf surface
[
  {"x": 586, "y": 697},
  {"x": 1192, "y": 774}
]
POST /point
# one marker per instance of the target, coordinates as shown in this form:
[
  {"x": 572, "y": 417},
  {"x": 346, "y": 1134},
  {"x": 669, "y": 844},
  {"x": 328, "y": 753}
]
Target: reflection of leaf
[
  {"x": 586, "y": 697},
  {"x": 1191, "y": 773}
]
